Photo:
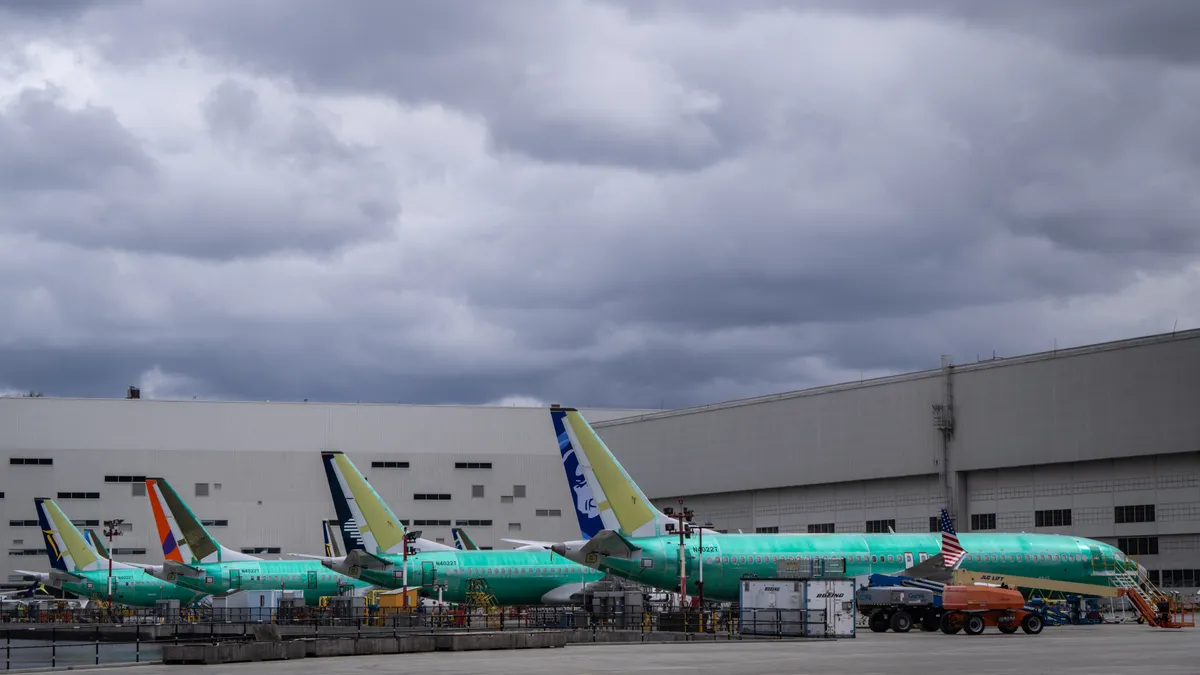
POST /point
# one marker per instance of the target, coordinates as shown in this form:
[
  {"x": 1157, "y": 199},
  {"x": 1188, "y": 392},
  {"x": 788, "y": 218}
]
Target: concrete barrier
[{"x": 237, "y": 652}]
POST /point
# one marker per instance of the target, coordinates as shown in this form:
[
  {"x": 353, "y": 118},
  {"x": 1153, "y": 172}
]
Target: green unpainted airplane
[
  {"x": 641, "y": 543},
  {"x": 375, "y": 553},
  {"x": 193, "y": 558},
  {"x": 80, "y": 569}
]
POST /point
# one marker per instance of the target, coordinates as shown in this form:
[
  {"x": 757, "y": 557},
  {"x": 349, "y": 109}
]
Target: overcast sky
[{"x": 592, "y": 203}]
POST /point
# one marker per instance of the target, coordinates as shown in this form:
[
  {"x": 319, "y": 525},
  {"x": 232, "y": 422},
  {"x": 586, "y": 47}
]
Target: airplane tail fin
[
  {"x": 347, "y": 523},
  {"x": 586, "y": 512},
  {"x": 952, "y": 550},
  {"x": 329, "y": 529},
  {"x": 66, "y": 547},
  {"x": 378, "y": 528},
  {"x": 620, "y": 503},
  {"x": 462, "y": 541},
  {"x": 97, "y": 544},
  {"x": 184, "y": 539}
]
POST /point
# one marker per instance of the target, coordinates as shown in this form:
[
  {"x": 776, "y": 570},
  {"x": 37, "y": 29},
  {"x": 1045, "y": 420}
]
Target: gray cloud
[{"x": 604, "y": 203}]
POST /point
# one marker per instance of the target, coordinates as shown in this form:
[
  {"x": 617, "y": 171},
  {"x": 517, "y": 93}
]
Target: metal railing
[{"x": 90, "y": 636}]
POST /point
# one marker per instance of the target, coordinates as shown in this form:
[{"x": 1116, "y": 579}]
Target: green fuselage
[
  {"x": 728, "y": 558},
  {"x": 272, "y": 575},
  {"x": 130, "y": 587},
  {"x": 513, "y": 577}
]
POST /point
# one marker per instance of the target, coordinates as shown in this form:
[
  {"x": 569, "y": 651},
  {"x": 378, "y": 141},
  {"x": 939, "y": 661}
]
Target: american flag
[{"x": 952, "y": 551}]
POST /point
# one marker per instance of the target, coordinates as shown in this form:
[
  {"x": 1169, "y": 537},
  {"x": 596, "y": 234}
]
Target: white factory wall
[{"x": 261, "y": 464}]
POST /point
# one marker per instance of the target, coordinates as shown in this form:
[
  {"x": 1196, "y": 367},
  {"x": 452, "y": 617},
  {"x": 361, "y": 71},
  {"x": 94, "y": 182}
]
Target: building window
[
  {"x": 124, "y": 479},
  {"x": 79, "y": 495},
  {"x": 137, "y": 489},
  {"x": 935, "y": 524},
  {"x": 431, "y": 497},
  {"x": 548, "y": 512},
  {"x": 473, "y": 523},
  {"x": 820, "y": 528},
  {"x": 1, "y": 495},
  {"x": 440, "y": 540},
  {"x": 260, "y": 549},
  {"x": 1138, "y": 545},
  {"x": 472, "y": 465},
  {"x": 201, "y": 489},
  {"x": 476, "y": 491},
  {"x": 1141, "y": 513},
  {"x": 519, "y": 491},
  {"x": 26, "y": 551},
  {"x": 880, "y": 526},
  {"x": 983, "y": 521},
  {"x": 22, "y": 523},
  {"x": 1176, "y": 578},
  {"x": 1153, "y": 574},
  {"x": 769, "y": 529},
  {"x": 431, "y": 523},
  {"x": 83, "y": 523},
  {"x": 389, "y": 465},
  {"x": 514, "y": 527},
  {"x": 506, "y": 499},
  {"x": 215, "y": 523},
  {"x": 129, "y": 551},
  {"x": 31, "y": 461},
  {"x": 1052, "y": 518}
]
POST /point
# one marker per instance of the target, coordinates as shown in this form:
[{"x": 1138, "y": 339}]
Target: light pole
[
  {"x": 409, "y": 537},
  {"x": 112, "y": 528}
]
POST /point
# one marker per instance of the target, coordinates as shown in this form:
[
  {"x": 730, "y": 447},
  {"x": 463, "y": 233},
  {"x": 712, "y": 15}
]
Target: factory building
[
  {"x": 1100, "y": 441},
  {"x": 252, "y": 471}
]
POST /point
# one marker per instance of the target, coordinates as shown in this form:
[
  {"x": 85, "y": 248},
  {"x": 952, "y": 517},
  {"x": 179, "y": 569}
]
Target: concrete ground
[{"x": 1063, "y": 650}]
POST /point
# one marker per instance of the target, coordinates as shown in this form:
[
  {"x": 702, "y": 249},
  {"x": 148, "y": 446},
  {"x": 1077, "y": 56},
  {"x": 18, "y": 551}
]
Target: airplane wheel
[
  {"x": 951, "y": 623},
  {"x": 878, "y": 622},
  {"x": 975, "y": 625},
  {"x": 902, "y": 622},
  {"x": 1031, "y": 624}
]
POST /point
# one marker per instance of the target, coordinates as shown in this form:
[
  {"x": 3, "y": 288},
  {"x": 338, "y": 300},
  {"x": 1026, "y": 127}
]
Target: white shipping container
[
  {"x": 834, "y": 597},
  {"x": 815, "y": 608}
]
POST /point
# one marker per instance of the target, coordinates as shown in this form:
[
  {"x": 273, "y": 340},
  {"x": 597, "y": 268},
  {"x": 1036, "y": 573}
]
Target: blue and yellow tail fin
[
  {"x": 621, "y": 504},
  {"x": 462, "y": 541},
  {"x": 65, "y": 545},
  {"x": 378, "y": 529},
  {"x": 586, "y": 512}
]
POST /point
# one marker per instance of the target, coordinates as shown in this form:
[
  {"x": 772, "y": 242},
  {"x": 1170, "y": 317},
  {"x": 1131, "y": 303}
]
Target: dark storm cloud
[
  {"x": 605, "y": 203},
  {"x": 79, "y": 176},
  {"x": 45, "y": 147}
]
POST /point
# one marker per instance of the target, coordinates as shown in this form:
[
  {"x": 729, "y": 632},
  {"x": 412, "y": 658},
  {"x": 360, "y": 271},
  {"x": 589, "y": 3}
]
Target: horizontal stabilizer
[
  {"x": 362, "y": 559},
  {"x": 609, "y": 543},
  {"x": 60, "y": 577},
  {"x": 932, "y": 568},
  {"x": 529, "y": 542},
  {"x": 173, "y": 570}
]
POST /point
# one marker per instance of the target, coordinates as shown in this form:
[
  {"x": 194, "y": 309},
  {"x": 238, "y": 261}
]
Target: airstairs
[{"x": 1155, "y": 607}]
